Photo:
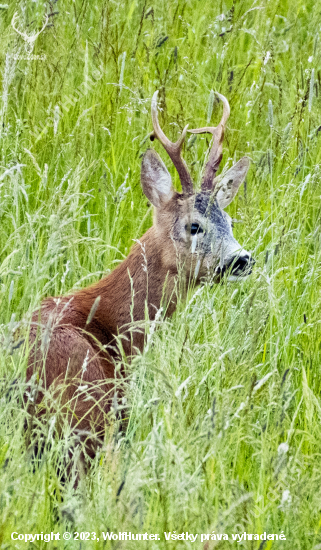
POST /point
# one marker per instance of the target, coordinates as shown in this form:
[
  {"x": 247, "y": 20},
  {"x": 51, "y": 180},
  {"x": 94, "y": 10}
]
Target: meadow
[{"x": 223, "y": 425}]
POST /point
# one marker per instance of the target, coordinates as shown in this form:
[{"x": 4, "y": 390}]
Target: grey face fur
[
  {"x": 197, "y": 225},
  {"x": 205, "y": 233}
]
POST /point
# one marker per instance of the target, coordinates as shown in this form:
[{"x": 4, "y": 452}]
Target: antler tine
[
  {"x": 172, "y": 149},
  {"x": 215, "y": 155}
]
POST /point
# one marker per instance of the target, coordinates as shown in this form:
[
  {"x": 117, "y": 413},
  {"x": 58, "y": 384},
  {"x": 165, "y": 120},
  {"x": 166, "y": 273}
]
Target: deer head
[
  {"x": 29, "y": 39},
  {"x": 193, "y": 227}
]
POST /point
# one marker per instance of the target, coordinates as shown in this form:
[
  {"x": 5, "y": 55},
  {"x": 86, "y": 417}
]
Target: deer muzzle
[{"x": 238, "y": 266}]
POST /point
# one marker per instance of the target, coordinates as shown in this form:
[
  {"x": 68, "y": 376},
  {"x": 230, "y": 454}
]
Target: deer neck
[{"x": 140, "y": 280}]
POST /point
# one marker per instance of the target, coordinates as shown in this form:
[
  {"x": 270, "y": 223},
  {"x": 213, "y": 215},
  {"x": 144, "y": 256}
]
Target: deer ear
[
  {"x": 229, "y": 185},
  {"x": 155, "y": 179}
]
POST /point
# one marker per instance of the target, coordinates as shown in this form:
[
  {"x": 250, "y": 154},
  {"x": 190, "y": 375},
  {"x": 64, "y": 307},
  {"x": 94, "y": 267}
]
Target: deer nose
[{"x": 240, "y": 265}]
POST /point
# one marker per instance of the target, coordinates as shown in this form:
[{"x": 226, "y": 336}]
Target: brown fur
[{"x": 61, "y": 342}]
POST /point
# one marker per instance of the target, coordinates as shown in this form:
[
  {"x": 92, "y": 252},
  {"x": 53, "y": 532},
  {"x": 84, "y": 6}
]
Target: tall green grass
[{"x": 224, "y": 406}]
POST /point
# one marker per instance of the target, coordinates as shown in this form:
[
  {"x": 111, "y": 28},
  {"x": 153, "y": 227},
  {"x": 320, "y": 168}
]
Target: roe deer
[{"x": 72, "y": 338}]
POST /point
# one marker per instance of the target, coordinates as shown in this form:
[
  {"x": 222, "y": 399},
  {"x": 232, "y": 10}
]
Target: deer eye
[{"x": 196, "y": 228}]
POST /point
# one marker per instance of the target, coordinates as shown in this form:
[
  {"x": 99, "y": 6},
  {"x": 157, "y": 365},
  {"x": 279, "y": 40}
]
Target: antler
[
  {"x": 24, "y": 35},
  {"x": 173, "y": 149},
  {"x": 44, "y": 26},
  {"x": 215, "y": 155}
]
